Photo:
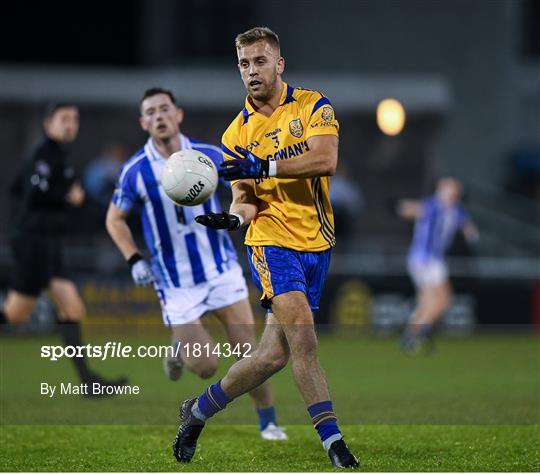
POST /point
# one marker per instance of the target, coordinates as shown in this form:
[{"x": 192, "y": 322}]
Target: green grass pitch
[
  {"x": 238, "y": 448},
  {"x": 474, "y": 405}
]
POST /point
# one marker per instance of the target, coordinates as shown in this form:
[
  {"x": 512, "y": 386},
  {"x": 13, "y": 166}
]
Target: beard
[
  {"x": 165, "y": 135},
  {"x": 68, "y": 137},
  {"x": 260, "y": 95},
  {"x": 265, "y": 91}
]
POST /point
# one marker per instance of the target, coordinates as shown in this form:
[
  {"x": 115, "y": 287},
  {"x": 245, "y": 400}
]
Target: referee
[{"x": 44, "y": 190}]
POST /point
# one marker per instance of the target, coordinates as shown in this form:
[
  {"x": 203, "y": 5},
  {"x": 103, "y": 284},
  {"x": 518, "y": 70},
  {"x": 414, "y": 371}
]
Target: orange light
[{"x": 390, "y": 116}]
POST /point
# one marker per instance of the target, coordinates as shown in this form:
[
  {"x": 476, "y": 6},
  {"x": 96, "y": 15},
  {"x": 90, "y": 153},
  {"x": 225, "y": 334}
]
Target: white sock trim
[
  {"x": 197, "y": 413},
  {"x": 328, "y": 441}
]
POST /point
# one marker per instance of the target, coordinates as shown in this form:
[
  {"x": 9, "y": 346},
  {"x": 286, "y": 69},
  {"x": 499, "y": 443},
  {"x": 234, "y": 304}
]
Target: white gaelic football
[{"x": 189, "y": 177}]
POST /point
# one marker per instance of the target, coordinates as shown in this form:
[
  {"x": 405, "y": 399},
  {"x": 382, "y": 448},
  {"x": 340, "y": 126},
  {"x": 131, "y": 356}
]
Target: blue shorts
[{"x": 277, "y": 270}]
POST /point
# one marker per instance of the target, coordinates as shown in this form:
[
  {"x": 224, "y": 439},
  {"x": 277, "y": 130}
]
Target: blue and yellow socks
[
  {"x": 325, "y": 422},
  {"x": 212, "y": 400}
]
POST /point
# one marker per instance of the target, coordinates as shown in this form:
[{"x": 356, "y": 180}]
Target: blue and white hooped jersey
[
  {"x": 183, "y": 253},
  {"x": 434, "y": 230}
]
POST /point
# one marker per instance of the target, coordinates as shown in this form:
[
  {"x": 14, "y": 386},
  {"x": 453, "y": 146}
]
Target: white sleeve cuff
[
  {"x": 272, "y": 168},
  {"x": 240, "y": 218}
]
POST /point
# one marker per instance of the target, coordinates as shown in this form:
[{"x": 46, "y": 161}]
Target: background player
[
  {"x": 437, "y": 219},
  {"x": 43, "y": 191},
  {"x": 284, "y": 199},
  {"x": 195, "y": 270}
]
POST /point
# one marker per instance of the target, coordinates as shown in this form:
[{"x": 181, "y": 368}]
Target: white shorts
[
  {"x": 183, "y": 305},
  {"x": 430, "y": 273}
]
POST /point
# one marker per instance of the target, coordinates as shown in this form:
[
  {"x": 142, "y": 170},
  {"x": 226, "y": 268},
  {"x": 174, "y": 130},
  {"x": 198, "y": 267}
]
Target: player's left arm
[
  {"x": 470, "y": 232},
  {"x": 321, "y": 132},
  {"x": 320, "y": 160},
  {"x": 467, "y": 226}
]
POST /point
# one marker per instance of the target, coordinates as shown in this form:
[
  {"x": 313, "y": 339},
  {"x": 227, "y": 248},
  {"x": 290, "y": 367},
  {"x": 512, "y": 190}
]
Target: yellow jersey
[{"x": 293, "y": 213}]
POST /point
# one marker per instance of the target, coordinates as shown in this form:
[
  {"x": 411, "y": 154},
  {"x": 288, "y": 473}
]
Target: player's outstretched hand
[
  {"x": 223, "y": 220},
  {"x": 140, "y": 271},
  {"x": 248, "y": 167}
]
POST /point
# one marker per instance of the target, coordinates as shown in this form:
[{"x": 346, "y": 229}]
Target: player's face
[
  {"x": 160, "y": 117},
  {"x": 63, "y": 125},
  {"x": 260, "y": 67},
  {"x": 449, "y": 190}
]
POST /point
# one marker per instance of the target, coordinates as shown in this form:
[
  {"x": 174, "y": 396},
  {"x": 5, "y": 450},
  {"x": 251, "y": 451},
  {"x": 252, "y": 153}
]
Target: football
[{"x": 189, "y": 177}]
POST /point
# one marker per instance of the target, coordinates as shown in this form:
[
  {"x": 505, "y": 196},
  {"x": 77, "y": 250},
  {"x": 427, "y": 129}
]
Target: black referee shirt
[{"x": 41, "y": 188}]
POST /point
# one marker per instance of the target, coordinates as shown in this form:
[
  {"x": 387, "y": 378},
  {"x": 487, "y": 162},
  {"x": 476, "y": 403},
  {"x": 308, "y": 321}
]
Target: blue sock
[
  {"x": 266, "y": 415},
  {"x": 325, "y": 422},
  {"x": 212, "y": 400}
]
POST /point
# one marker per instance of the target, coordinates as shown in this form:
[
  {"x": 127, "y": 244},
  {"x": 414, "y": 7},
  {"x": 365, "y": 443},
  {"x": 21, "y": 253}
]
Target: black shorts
[{"x": 37, "y": 260}]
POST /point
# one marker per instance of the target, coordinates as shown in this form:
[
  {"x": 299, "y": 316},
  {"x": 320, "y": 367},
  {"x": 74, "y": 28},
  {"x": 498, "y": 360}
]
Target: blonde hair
[{"x": 259, "y": 33}]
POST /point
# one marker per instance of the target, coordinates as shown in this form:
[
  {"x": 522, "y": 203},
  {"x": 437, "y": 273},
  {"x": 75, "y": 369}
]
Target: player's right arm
[
  {"x": 244, "y": 202},
  {"x": 243, "y": 208},
  {"x": 409, "y": 208},
  {"x": 116, "y": 223},
  {"x": 118, "y": 229},
  {"x": 124, "y": 198}
]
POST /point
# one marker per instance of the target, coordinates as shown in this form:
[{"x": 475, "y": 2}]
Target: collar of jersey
[
  {"x": 286, "y": 98},
  {"x": 154, "y": 154}
]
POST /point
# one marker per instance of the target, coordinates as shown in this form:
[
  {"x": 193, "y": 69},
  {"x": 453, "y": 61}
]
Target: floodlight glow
[{"x": 390, "y": 116}]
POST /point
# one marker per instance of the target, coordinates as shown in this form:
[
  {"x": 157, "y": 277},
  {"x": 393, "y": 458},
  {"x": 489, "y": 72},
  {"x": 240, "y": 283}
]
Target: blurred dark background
[{"x": 465, "y": 71}]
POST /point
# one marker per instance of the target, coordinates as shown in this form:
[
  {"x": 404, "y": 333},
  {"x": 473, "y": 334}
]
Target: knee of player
[
  {"x": 16, "y": 318},
  {"x": 207, "y": 369},
  {"x": 206, "y": 373},
  {"x": 279, "y": 362},
  {"x": 295, "y": 306},
  {"x": 271, "y": 363},
  {"x": 75, "y": 313},
  {"x": 17, "y": 313},
  {"x": 304, "y": 347}
]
